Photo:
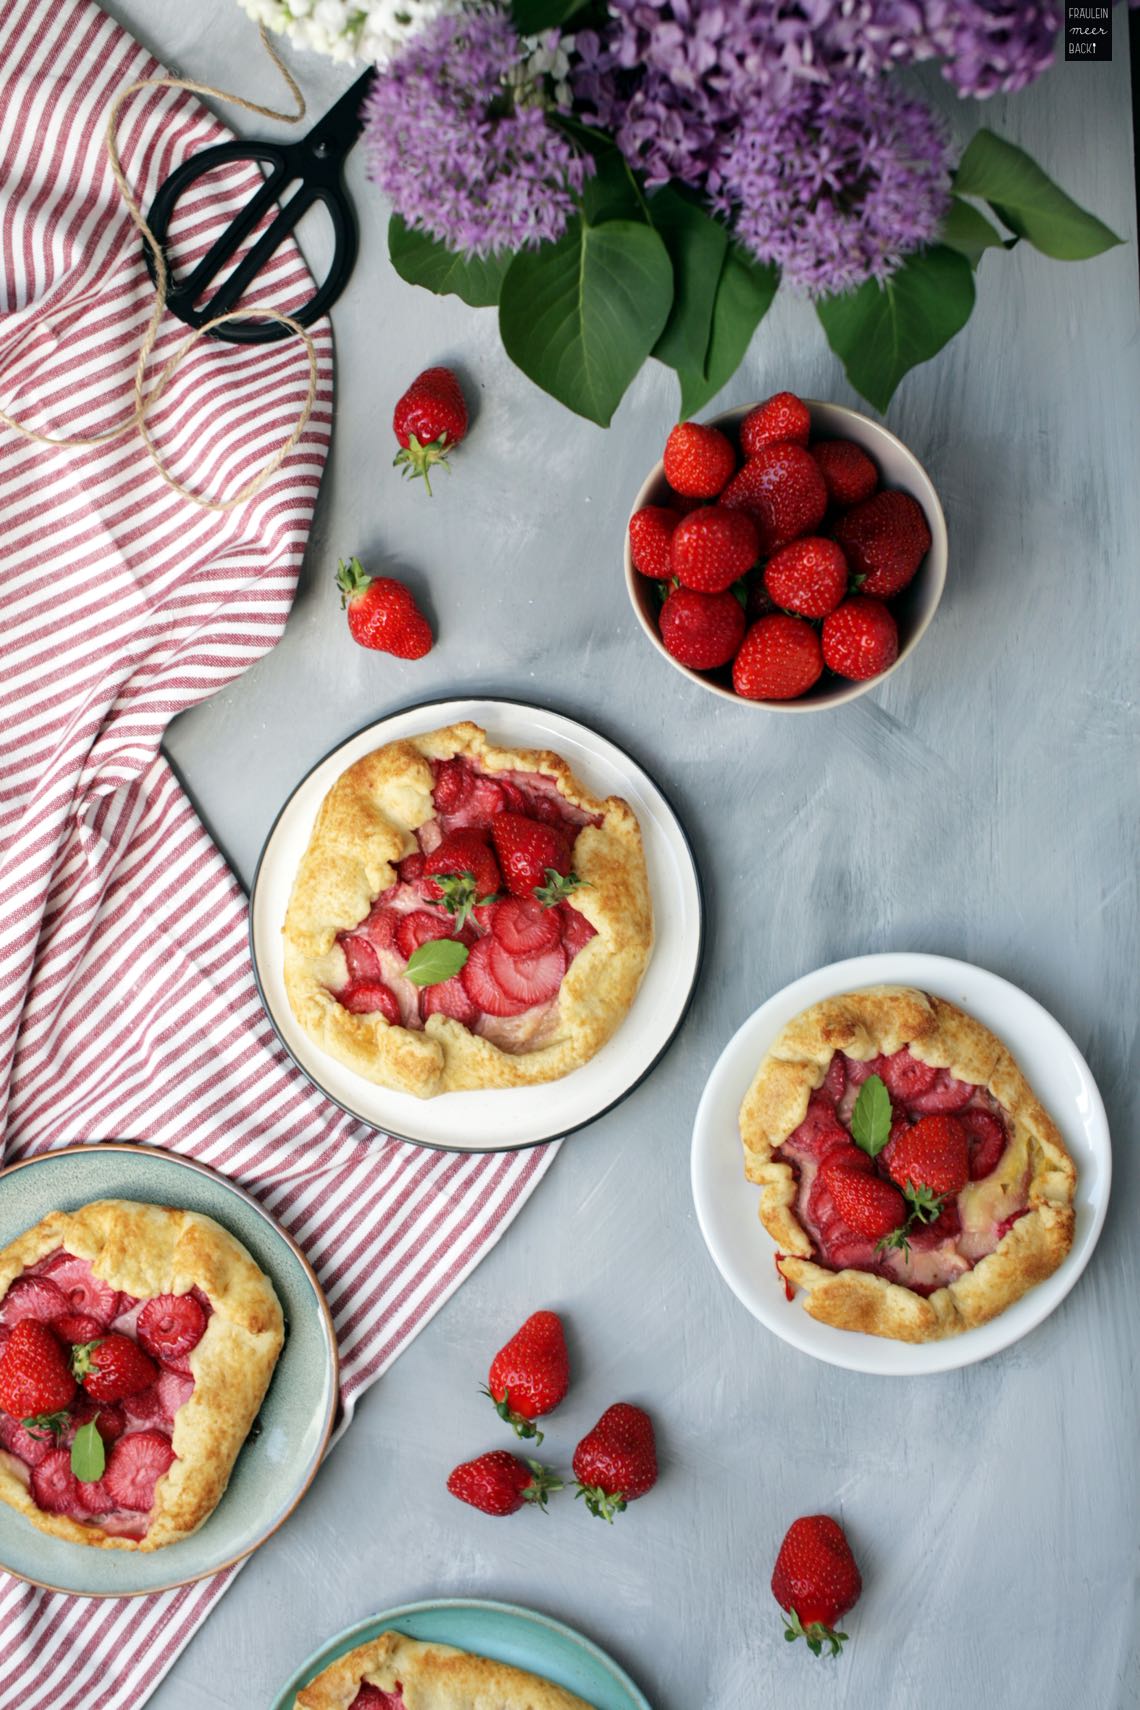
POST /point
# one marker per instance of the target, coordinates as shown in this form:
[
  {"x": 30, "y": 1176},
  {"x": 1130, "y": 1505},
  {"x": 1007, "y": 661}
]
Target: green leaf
[
  {"x": 881, "y": 332},
  {"x": 1028, "y": 201},
  {"x": 744, "y": 293},
  {"x": 580, "y": 316},
  {"x": 533, "y": 17},
  {"x": 696, "y": 244},
  {"x": 421, "y": 260},
  {"x": 969, "y": 232},
  {"x": 871, "y": 1117},
  {"x": 435, "y": 961},
  {"x": 88, "y": 1456},
  {"x": 611, "y": 191}
]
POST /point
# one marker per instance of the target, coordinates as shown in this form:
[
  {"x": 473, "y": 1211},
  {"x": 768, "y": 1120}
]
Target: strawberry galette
[
  {"x": 397, "y": 1673},
  {"x": 912, "y": 1182},
  {"x": 136, "y": 1345},
  {"x": 466, "y": 916}
]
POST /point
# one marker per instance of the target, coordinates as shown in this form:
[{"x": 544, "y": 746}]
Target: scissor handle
[{"x": 319, "y": 172}]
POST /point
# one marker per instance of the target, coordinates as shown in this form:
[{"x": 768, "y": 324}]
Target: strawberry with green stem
[
  {"x": 816, "y": 1581},
  {"x": 530, "y": 1374},
  {"x": 429, "y": 421}
]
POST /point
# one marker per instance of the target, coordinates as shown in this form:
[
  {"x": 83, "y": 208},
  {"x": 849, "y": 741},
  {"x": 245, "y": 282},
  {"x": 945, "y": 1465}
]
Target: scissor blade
[{"x": 335, "y": 134}]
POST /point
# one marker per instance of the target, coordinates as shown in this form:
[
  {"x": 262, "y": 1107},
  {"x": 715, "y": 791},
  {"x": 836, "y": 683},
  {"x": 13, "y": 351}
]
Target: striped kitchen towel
[{"x": 127, "y": 1005}]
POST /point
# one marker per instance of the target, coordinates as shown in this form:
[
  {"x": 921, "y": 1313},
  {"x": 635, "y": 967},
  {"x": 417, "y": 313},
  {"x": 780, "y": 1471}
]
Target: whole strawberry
[
  {"x": 460, "y": 875},
  {"x": 712, "y": 548},
  {"x": 698, "y": 460},
  {"x": 930, "y": 1160},
  {"x": 429, "y": 421},
  {"x": 535, "y": 858},
  {"x": 779, "y": 659},
  {"x": 499, "y": 1483},
  {"x": 382, "y": 613},
  {"x": 616, "y": 1462},
  {"x": 783, "y": 490},
  {"x": 848, "y": 473},
  {"x": 530, "y": 1374},
  {"x": 807, "y": 576},
  {"x": 35, "y": 1380},
  {"x": 650, "y": 531},
  {"x": 886, "y": 539},
  {"x": 816, "y": 1581},
  {"x": 702, "y": 630},
  {"x": 866, "y": 1203},
  {"x": 781, "y": 417},
  {"x": 860, "y": 639},
  {"x": 113, "y": 1367}
]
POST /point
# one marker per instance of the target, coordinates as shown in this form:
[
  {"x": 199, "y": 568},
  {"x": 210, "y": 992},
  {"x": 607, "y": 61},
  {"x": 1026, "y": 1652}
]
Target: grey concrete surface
[{"x": 979, "y": 805}]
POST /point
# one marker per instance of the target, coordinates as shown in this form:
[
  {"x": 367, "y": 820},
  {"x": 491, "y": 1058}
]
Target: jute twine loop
[{"x": 144, "y": 401}]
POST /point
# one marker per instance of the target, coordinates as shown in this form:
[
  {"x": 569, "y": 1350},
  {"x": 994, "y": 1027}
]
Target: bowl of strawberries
[{"x": 790, "y": 554}]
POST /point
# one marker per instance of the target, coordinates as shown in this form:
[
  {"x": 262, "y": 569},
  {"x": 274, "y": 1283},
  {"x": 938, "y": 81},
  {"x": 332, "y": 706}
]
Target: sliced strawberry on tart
[
  {"x": 912, "y": 1182},
  {"x": 466, "y": 916},
  {"x": 136, "y": 1345}
]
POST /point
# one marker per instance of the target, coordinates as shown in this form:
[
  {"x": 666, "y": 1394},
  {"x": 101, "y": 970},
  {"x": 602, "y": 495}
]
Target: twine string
[{"x": 144, "y": 401}]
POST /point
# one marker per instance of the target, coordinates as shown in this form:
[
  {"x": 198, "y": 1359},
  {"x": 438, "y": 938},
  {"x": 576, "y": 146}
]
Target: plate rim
[
  {"x": 560, "y": 1133},
  {"x": 1099, "y": 1206},
  {"x": 426, "y": 1605},
  {"x": 134, "y": 1146}
]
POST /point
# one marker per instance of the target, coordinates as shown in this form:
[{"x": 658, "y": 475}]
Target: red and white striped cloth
[{"x": 126, "y": 1001}]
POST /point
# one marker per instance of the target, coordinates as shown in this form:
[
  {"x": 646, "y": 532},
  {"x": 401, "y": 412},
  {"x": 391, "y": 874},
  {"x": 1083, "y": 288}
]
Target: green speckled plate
[
  {"x": 504, "y": 1631},
  {"x": 281, "y": 1456}
]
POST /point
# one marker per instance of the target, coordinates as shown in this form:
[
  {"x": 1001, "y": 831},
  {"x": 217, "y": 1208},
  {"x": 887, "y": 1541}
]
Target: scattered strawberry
[
  {"x": 807, "y": 576},
  {"x": 535, "y": 858},
  {"x": 112, "y": 1367},
  {"x": 782, "y": 417},
  {"x": 650, "y": 531},
  {"x": 421, "y": 925},
  {"x": 779, "y": 659},
  {"x": 986, "y": 1138},
  {"x": 848, "y": 473},
  {"x": 370, "y": 997},
  {"x": 483, "y": 988},
  {"x": 55, "y": 1487},
  {"x": 499, "y": 1483},
  {"x": 523, "y": 927},
  {"x": 933, "y": 1155},
  {"x": 885, "y": 539},
  {"x": 816, "y": 1581},
  {"x": 783, "y": 490},
  {"x": 702, "y": 630},
  {"x": 429, "y": 421},
  {"x": 85, "y": 1291},
  {"x": 698, "y": 460},
  {"x": 35, "y": 1381},
  {"x": 616, "y": 1462},
  {"x": 382, "y": 613},
  {"x": 860, "y": 638},
  {"x": 530, "y": 1374},
  {"x": 576, "y": 930},
  {"x": 461, "y": 874},
  {"x": 866, "y": 1203},
  {"x": 34, "y": 1297},
  {"x": 448, "y": 997},
  {"x": 134, "y": 1467},
  {"x": 712, "y": 548},
  {"x": 170, "y": 1325},
  {"x": 77, "y": 1327}
]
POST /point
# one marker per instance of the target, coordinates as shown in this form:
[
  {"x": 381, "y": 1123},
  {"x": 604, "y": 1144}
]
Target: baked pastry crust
[
  {"x": 366, "y": 824},
  {"x": 146, "y": 1250},
  {"x": 880, "y": 1020},
  {"x": 433, "y": 1677}
]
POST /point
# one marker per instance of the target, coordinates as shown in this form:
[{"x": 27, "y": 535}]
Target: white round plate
[
  {"x": 497, "y": 1120},
  {"x": 727, "y": 1205}
]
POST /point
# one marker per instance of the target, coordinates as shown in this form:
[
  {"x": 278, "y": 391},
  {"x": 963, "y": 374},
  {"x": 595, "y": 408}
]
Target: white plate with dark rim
[
  {"x": 497, "y": 1120},
  {"x": 728, "y": 1205}
]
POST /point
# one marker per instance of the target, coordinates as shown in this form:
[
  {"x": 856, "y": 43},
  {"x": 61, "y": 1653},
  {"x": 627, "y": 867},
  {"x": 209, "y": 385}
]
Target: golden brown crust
[
  {"x": 366, "y": 824},
  {"x": 147, "y": 1250},
  {"x": 432, "y": 1677},
  {"x": 879, "y": 1021}
]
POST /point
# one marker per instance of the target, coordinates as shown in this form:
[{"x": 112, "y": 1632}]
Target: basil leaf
[
  {"x": 881, "y": 332},
  {"x": 435, "y": 961},
  {"x": 969, "y": 232},
  {"x": 422, "y": 260},
  {"x": 871, "y": 1118},
  {"x": 1027, "y": 200},
  {"x": 88, "y": 1456}
]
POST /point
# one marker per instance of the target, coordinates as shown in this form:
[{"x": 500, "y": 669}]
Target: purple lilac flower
[
  {"x": 460, "y": 143},
  {"x": 837, "y": 182},
  {"x": 990, "y": 47}
]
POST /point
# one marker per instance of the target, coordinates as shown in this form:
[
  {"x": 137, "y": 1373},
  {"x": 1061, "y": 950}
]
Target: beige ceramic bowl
[{"x": 913, "y": 608}]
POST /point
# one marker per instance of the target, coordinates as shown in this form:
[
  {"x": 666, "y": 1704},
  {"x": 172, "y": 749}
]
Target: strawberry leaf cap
[
  {"x": 415, "y": 460},
  {"x": 604, "y": 1503},
  {"x": 816, "y": 1634},
  {"x": 519, "y": 1423},
  {"x": 543, "y": 1484},
  {"x": 46, "y": 1427},
  {"x": 558, "y": 887},
  {"x": 352, "y": 579},
  {"x": 460, "y": 895},
  {"x": 925, "y": 1204},
  {"x": 82, "y": 1363}
]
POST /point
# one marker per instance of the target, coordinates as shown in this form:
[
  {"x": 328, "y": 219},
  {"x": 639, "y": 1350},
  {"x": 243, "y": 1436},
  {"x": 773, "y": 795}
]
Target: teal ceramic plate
[
  {"x": 503, "y": 1631},
  {"x": 278, "y": 1461}
]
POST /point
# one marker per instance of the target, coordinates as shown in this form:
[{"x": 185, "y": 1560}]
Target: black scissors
[{"x": 316, "y": 161}]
